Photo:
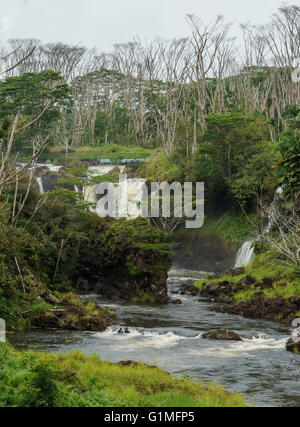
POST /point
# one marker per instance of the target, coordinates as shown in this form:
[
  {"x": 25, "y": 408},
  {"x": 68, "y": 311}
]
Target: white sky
[{"x": 101, "y": 23}]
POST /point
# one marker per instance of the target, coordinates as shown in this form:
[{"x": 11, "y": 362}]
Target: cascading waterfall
[
  {"x": 40, "y": 183},
  {"x": 134, "y": 189},
  {"x": 50, "y": 166},
  {"x": 246, "y": 253},
  {"x": 134, "y": 198},
  {"x": 134, "y": 193}
]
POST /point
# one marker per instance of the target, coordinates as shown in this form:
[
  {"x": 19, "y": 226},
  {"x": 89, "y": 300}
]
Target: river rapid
[{"x": 170, "y": 336}]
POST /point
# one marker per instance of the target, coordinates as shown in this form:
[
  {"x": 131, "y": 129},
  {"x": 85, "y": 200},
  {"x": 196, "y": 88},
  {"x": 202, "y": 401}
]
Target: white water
[
  {"x": 134, "y": 190},
  {"x": 136, "y": 338},
  {"x": 134, "y": 193},
  {"x": 50, "y": 166},
  {"x": 40, "y": 183},
  {"x": 170, "y": 336},
  {"x": 246, "y": 253}
]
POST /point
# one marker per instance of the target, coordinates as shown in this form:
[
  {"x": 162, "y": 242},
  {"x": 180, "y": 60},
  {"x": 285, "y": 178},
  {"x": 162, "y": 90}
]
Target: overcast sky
[{"x": 101, "y": 23}]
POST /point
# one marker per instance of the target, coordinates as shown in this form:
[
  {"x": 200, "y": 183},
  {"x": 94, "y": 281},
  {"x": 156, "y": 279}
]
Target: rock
[
  {"x": 74, "y": 314},
  {"x": 259, "y": 307},
  {"x": 222, "y": 335},
  {"x": 266, "y": 283},
  {"x": 244, "y": 283},
  {"x": 293, "y": 347},
  {"x": 224, "y": 284},
  {"x": 187, "y": 289},
  {"x": 218, "y": 291},
  {"x": 237, "y": 271},
  {"x": 248, "y": 280},
  {"x": 131, "y": 363},
  {"x": 123, "y": 331},
  {"x": 176, "y": 301},
  {"x": 134, "y": 364},
  {"x": 211, "y": 287}
]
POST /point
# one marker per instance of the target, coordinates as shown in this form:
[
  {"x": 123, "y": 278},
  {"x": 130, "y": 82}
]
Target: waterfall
[
  {"x": 134, "y": 198},
  {"x": 246, "y": 253},
  {"x": 40, "y": 183},
  {"x": 134, "y": 192},
  {"x": 49, "y": 166},
  {"x": 134, "y": 189},
  {"x": 103, "y": 170}
]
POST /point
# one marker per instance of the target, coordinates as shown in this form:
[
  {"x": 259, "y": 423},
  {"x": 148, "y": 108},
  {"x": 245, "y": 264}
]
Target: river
[{"x": 170, "y": 337}]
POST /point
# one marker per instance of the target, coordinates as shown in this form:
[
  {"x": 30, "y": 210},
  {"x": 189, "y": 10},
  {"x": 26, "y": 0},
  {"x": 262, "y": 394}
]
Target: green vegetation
[
  {"x": 232, "y": 229},
  {"x": 284, "y": 283},
  {"x": 113, "y": 152},
  {"x": 65, "y": 246},
  {"x": 73, "y": 380},
  {"x": 238, "y": 132}
]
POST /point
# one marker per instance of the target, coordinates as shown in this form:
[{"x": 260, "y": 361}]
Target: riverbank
[
  {"x": 57, "y": 246},
  {"x": 42, "y": 379},
  {"x": 171, "y": 337},
  {"x": 263, "y": 290}
]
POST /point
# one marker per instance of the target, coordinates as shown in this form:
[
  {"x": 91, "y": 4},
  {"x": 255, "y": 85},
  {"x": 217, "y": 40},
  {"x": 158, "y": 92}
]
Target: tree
[
  {"x": 289, "y": 170},
  {"x": 36, "y": 99},
  {"x": 285, "y": 236},
  {"x": 207, "y": 44},
  {"x": 230, "y": 143}
]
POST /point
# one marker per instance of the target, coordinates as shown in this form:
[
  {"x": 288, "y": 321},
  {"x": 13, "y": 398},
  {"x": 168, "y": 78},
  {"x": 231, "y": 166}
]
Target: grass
[
  {"x": 144, "y": 298},
  {"x": 158, "y": 166},
  {"x": 43, "y": 379},
  {"x": 232, "y": 229},
  {"x": 112, "y": 151}
]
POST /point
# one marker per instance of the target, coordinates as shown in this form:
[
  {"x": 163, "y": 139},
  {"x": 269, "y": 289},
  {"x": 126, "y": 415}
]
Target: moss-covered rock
[{"x": 74, "y": 314}]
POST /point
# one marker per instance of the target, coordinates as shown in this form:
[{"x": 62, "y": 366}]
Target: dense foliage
[{"x": 43, "y": 380}]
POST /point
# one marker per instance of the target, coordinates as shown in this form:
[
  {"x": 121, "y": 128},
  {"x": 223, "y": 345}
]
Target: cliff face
[{"x": 128, "y": 260}]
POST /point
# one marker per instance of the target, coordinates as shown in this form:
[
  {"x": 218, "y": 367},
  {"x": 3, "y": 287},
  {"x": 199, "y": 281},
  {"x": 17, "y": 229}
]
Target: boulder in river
[
  {"x": 124, "y": 331},
  {"x": 176, "y": 301},
  {"x": 222, "y": 335},
  {"x": 187, "y": 289},
  {"x": 293, "y": 346},
  {"x": 212, "y": 287}
]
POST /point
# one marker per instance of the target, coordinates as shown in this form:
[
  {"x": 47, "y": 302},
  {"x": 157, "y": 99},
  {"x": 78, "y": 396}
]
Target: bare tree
[
  {"x": 285, "y": 236},
  {"x": 173, "y": 56},
  {"x": 207, "y": 41}
]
